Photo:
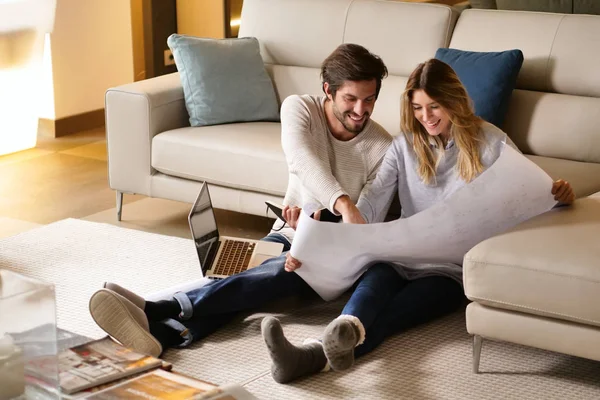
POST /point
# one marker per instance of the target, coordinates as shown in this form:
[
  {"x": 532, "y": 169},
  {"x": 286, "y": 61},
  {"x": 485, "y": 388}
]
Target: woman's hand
[
  {"x": 350, "y": 214},
  {"x": 291, "y": 215},
  {"x": 563, "y": 192},
  {"x": 353, "y": 216},
  {"x": 291, "y": 264}
]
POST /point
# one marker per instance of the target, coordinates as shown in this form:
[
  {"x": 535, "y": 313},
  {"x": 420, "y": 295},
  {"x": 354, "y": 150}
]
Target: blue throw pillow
[
  {"x": 488, "y": 77},
  {"x": 224, "y": 80}
]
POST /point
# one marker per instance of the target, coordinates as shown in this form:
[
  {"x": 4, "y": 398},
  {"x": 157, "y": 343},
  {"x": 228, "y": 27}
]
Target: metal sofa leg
[
  {"x": 119, "y": 205},
  {"x": 477, "y": 342}
]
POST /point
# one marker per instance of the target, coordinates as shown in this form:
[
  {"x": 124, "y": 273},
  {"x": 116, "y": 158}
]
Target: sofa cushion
[
  {"x": 324, "y": 25},
  {"x": 288, "y": 21},
  {"x": 546, "y": 266},
  {"x": 554, "y": 125},
  {"x": 245, "y": 156},
  {"x": 489, "y": 78},
  {"x": 583, "y": 176},
  {"x": 392, "y": 37},
  {"x": 289, "y": 80},
  {"x": 554, "y": 45},
  {"x": 224, "y": 80}
]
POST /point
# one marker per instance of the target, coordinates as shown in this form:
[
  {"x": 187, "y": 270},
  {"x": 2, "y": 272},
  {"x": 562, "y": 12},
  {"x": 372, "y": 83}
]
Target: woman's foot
[
  {"x": 290, "y": 362},
  {"x": 340, "y": 338}
]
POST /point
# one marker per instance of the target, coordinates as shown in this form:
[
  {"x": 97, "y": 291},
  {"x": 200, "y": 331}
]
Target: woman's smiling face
[{"x": 430, "y": 114}]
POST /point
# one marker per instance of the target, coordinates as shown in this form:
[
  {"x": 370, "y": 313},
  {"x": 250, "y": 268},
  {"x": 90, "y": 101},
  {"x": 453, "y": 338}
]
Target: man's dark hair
[{"x": 352, "y": 62}]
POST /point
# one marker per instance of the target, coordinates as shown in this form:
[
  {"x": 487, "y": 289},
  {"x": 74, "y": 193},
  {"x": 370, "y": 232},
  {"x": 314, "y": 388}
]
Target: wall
[
  {"x": 160, "y": 22},
  {"x": 137, "y": 30},
  {"x": 203, "y": 18},
  {"x": 91, "y": 51},
  {"x": 47, "y": 88}
]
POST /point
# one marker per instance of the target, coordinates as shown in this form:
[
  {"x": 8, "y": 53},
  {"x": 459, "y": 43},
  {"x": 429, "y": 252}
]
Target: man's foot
[
  {"x": 129, "y": 295},
  {"x": 340, "y": 338},
  {"x": 289, "y": 361},
  {"x": 166, "y": 334},
  {"x": 155, "y": 311},
  {"x": 124, "y": 321},
  {"x": 162, "y": 309}
]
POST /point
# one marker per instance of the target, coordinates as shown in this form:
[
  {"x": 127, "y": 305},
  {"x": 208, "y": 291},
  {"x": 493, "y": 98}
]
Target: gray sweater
[{"x": 398, "y": 173}]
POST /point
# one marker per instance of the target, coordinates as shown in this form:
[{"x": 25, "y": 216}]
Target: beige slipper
[
  {"x": 124, "y": 321},
  {"x": 129, "y": 295}
]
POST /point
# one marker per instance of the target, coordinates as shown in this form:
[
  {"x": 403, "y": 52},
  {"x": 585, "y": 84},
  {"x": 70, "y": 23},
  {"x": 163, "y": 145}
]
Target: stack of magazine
[
  {"x": 160, "y": 384},
  {"x": 103, "y": 369}
]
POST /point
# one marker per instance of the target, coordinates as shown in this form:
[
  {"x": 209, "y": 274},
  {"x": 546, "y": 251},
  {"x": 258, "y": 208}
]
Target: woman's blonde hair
[{"x": 439, "y": 81}]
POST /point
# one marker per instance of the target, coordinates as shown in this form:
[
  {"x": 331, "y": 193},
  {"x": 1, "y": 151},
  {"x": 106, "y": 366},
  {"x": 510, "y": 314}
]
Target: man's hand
[
  {"x": 291, "y": 264},
  {"x": 350, "y": 214},
  {"x": 291, "y": 215},
  {"x": 563, "y": 192}
]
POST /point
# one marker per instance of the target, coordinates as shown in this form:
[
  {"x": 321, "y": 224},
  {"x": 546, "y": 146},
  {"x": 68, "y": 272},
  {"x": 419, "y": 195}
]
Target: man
[{"x": 333, "y": 151}]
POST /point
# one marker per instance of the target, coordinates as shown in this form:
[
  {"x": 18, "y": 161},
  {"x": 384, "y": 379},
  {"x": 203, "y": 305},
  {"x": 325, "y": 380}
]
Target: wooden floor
[{"x": 66, "y": 177}]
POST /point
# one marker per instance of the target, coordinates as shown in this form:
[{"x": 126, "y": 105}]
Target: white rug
[
  {"x": 79, "y": 256},
  {"x": 430, "y": 362}
]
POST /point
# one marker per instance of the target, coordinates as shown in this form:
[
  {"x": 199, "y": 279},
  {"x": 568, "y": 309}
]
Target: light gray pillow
[{"x": 224, "y": 80}]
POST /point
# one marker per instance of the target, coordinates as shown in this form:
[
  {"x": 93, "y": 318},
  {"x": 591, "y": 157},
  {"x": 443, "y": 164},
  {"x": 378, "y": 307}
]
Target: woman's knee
[{"x": 380, "y": 272}]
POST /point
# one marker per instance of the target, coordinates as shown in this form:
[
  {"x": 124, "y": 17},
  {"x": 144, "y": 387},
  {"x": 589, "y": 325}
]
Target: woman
[{"x": 444, "y": 147}]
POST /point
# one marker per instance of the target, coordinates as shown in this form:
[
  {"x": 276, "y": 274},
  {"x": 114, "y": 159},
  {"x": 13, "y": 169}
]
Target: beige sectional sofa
[{"x": 537, "y": 285}]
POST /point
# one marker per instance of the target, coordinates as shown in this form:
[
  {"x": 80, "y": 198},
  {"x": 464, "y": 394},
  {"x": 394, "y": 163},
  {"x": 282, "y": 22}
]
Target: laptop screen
[{"x": 204, "y": 228}]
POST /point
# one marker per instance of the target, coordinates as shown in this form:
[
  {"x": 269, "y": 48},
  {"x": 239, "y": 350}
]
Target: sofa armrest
[{"x": 135, "y": 113}]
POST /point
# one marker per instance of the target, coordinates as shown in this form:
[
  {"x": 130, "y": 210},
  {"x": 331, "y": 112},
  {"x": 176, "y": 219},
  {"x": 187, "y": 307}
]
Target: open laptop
[{"x": 223, "y": 256}]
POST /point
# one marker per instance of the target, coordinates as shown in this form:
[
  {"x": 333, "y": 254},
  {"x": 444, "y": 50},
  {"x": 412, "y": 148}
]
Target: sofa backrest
[
  {"x": 554, "y": 110},
  {"x": 297, "y": 35}
]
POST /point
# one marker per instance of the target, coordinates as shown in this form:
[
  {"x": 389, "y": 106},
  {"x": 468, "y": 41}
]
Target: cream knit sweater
[{"x": 321, "y": 167}]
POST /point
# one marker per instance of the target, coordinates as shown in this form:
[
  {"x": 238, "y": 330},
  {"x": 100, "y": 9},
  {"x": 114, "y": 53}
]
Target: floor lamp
[{"x": 23, "y": 27}]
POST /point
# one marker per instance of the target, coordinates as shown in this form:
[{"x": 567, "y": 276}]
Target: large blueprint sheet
[{"x": 510, "y": 191}]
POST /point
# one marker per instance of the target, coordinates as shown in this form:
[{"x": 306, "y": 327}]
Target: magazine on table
[
  {"x": 162, "y": 385},
  {"x": 99, "y": 362},
  {"x": 84, "y": 394},
  {"x": 156, "y": 385},
  {"x": 228, "y": 392}
]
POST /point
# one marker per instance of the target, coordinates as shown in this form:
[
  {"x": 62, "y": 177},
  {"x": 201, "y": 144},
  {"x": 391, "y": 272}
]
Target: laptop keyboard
[{"x": 235, "y": 257}]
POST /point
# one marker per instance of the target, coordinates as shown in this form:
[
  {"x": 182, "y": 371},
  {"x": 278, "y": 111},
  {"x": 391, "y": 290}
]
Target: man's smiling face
[{"x": 353, "y": 104}]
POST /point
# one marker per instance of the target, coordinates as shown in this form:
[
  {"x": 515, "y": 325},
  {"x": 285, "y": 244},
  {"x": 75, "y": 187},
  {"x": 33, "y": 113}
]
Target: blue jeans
[
  {"x": 278, "y": 238},
  {"x": 208, "y": 308},
  {"x": 387, "y": 304}
]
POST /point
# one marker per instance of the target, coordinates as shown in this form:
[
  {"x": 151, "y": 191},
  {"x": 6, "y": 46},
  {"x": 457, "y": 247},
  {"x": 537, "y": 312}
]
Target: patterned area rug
[{"x": 430, "y": 362}]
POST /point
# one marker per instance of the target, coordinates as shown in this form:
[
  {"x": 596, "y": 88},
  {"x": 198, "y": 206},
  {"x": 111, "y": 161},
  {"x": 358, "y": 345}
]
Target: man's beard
[{"x": 342, "y": 118}]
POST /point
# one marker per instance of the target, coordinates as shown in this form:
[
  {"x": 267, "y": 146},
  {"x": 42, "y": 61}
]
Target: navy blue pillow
[{"x": 489, "y": 78}]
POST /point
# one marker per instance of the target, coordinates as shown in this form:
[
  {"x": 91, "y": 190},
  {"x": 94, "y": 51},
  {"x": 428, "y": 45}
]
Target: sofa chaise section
[{"x": 538, "y": 284}]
